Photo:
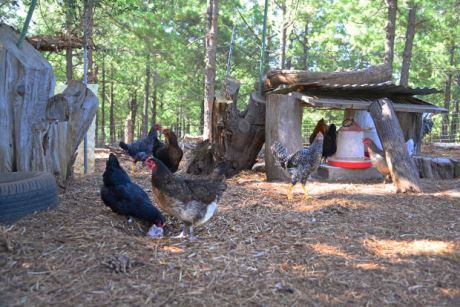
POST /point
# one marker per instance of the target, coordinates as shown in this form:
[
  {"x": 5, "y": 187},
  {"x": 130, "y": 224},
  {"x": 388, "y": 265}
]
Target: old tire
[{"x": 23, "y": 193}]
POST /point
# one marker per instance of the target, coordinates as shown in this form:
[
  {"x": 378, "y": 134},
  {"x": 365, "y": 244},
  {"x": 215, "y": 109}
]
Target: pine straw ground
[{"x": 354, "y": 244}]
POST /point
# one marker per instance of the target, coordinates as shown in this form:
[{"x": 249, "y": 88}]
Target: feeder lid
[{"x": 350, "y": 125}]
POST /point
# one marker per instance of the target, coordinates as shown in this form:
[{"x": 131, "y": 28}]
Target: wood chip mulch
[{"x": 353, "y": 244}]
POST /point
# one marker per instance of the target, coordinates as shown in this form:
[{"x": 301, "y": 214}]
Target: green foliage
[{"x": 342, "y": 34}]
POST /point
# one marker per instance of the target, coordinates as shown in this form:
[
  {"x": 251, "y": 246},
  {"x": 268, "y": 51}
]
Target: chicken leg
[
  {"x": 133, "y": 168},
  {"x": 305, "y": 191},
  {"x": 289, "y": 193}
]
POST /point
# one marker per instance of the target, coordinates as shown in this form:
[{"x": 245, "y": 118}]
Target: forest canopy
[{"x": 156, "y": 49}]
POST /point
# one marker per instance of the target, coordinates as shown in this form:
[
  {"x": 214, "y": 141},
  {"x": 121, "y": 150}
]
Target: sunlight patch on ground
[
  {"x": 329, "y": 250},
  {"x": 369, "y": 266},
  {"x": 392, "y": 248},
  {"x": 450, "y": 292}
]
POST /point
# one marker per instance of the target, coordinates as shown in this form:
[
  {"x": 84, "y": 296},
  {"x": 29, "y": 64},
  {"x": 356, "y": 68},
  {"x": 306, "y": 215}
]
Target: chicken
[
  {"x": 300, "y": 164},
  {"x": 192, "y": 200},
  {"x": 330, "y": 141},
  {"x": 378, "y": 159},
  {"x": 139, "y": 150},
  {"x": 321, "y": 126},
  {"x": 170, "y": 154},
  {"x": 127, "y": 198}
]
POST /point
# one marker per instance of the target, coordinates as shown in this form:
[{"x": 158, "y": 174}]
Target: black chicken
[
  {"x": 330, "y": 141},
  {"x": 300, "y": 164},
  {"x": 127, "y": 198},
  {"x": 192, "y": 200},
  {"x": 139, "y": 150}
]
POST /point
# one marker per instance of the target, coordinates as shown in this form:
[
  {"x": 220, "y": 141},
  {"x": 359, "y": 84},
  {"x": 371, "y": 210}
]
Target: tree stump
[
  {"x": 403, "y": 172},
  {"x": 39, "y": 133},
  {"x": 284, "y": 121},
  {"x": 237, "y": 136}
]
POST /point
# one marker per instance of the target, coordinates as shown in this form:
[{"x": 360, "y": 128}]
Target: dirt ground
[{"x": 353, "y": 244}]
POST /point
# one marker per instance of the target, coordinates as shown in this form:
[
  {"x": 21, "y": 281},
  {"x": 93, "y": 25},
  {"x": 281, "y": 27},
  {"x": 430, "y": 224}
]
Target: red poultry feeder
[{"x": 350, "y": 149}]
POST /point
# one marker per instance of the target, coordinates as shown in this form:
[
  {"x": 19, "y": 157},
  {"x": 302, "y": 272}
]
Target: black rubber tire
[{"x": 23, "y": 193}]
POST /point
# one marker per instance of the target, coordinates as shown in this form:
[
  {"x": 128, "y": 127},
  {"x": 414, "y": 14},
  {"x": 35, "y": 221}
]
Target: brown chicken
[
  {"x": 378, "y": 159},
  {"x": 170, "y": 154},
  {"x": 193, "y": 201},
  {"x": 322, "y": 127}
]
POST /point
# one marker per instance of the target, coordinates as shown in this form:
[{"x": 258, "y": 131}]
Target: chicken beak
[{"x": 155, "y": 232}]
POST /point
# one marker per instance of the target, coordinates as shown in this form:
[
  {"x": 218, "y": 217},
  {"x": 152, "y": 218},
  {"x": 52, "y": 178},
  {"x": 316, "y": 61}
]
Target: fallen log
[
  {"x": 372, "y": 74},
  {"x": 402, "y": 169}
]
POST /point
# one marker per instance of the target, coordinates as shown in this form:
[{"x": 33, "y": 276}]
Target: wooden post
[
  {"x": 411, "y": 125},
  {"x": 402, "y": 169},
  {"x": 283, "y": 124}
]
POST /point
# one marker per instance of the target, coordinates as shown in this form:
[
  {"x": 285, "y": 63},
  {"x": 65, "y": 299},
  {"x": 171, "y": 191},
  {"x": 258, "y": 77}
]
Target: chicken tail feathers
[
  {"x": 280, "y": 153},
  {"x": 124, "y": 146}
]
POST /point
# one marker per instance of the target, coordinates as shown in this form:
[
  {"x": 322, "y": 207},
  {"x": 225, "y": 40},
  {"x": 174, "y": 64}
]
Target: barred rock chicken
[
  {"x": 139, "y": 150},
  {"x": 127, "y": 198},
  {"x": 300, "y": 164},
  {"x": 192, "y": 200},
  {"x": 170, "y": 154},
  {"x": 378, "y": 159}
]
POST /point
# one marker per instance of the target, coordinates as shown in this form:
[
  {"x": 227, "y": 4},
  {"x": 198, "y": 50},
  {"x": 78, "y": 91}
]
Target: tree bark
[
  {"x": 447, "y": 95},
  {"x": 390, "y": 30},
  {"x": 284, "y": 122},
  {"x": 402, "y": 169},
  {"x": 238, "y": 136},
  {"x": 68, "y": 52},
  {"x": 111, "y": 109},
  {"x": 283, "y": 33},
  {"x": 88, "y": 37},
  {"x": 154, "y": 99},
  {"x": 407, "y": 54},
  {"x": 145, "y": 114},
  {"x": 454, "y": 120},
  {"x": 305, "y": 47},
  {"x": 103, "y": 136},
  {"x": 210, "y": 66},
  {"x": 373, "y": 74}
]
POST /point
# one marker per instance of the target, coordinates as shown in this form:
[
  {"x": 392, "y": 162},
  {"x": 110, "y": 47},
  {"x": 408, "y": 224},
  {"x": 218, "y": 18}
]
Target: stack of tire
[{"x": 23, "y": 193}]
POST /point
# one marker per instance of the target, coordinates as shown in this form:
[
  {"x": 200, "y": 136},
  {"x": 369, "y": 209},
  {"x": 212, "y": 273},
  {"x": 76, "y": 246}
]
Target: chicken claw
[{"x": 305, "y": 191}]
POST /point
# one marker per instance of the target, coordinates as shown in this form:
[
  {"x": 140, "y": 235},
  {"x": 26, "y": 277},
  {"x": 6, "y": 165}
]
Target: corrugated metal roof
[{"x": 377, "y": 90}]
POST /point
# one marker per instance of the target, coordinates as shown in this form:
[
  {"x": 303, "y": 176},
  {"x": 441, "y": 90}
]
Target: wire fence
[{"x": 438, "y": 132}]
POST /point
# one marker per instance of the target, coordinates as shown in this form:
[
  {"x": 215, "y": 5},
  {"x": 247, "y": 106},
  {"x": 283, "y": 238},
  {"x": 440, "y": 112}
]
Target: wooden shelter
[{"x": 382, "y": 99}]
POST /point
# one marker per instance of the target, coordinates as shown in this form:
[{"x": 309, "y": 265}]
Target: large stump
[
  {"x": 40, "y": 132},
  {"x": 237, "y": 136},
  {"x": 284, "y": 122},
  {"x": 403, "y": 171}
]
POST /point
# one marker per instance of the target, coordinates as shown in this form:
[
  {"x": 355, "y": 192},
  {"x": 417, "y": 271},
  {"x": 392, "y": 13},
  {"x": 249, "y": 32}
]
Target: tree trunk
[
  {"x": 305, "y": 47},
  {"x": 407, "y": 54},
  {"x": 390, "y": 30},
  {"x": 88, "y": 36},
  {"x": 210, "y": 66},
  {"x": 68, "y": 51},
  {"x": 447, "y": 96},
  {"x": 145, "y": 114},
  {"x": 284, "y": 123},
  {"x": 454, "y": 121},
  {"x": 154, "y": 99},
  {"x": 102, "y": 142},
  {"x": 238, "y": 136},
  {"x": 111, "y": 109},
  {"x": 373, "y": 74},
  {"x": 402, "y": 169},
  {"x": 283, "y": 33}
]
